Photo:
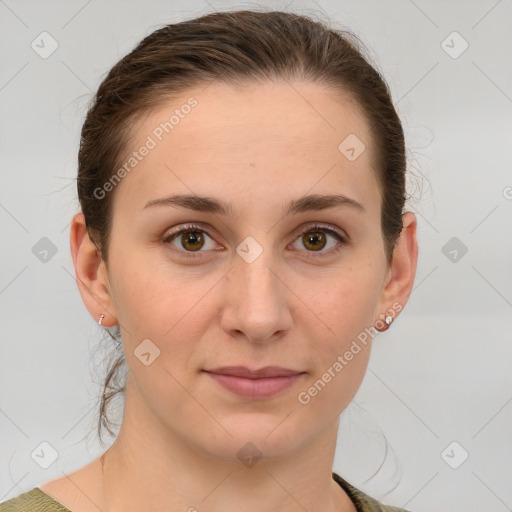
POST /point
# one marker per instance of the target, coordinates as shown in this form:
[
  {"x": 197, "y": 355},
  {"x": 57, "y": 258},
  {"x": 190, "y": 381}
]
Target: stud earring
[
  {"x": 381, "y": 325},
  {"x": 101, "y": 319}
]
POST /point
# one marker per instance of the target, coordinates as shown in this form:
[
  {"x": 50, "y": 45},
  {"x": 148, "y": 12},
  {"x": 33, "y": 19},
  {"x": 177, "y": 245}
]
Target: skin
[{"x": 256, "y": 146}]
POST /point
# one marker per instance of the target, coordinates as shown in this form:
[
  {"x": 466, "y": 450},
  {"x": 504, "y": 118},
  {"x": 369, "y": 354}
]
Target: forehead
[{"x": 264, "y": 138}]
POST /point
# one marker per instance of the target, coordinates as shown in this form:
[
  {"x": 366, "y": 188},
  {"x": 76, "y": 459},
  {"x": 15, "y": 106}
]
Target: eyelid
[
  {"x": 321, "y": 226},
  {"x": 184, "y": 228}
]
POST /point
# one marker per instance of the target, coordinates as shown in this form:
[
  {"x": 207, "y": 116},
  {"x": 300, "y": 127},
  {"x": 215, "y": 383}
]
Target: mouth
[{"x": 255, "y": 384}]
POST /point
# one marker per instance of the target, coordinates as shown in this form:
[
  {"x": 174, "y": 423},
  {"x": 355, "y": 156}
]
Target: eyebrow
[{"x": 312, "y": 202}]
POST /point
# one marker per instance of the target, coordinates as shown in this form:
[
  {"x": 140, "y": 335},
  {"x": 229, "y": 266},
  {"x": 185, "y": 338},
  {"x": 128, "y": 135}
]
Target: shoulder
[
  {"x": 362, "y": 501},
  {"x": 34, "y": 500}
]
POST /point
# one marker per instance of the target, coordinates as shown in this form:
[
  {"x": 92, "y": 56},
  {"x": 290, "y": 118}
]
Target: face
[{"x": 255, "y": 285}]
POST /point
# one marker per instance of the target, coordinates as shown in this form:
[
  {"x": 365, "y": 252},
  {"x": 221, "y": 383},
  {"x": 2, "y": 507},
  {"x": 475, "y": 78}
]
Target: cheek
[
  {"x": 142, "y": 291},
  {"x": 345, "y": 304},
  {"x": 340, "y": 356},
  {"x": 335, "y": 385},
  {"x": 347, "y": 300},
  {"x": 152, "y": 302}
]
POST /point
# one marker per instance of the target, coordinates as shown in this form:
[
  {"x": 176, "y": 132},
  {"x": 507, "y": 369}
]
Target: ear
[
  {"x": 91, "y": 273},
  {"x": 402, "y": 271}
]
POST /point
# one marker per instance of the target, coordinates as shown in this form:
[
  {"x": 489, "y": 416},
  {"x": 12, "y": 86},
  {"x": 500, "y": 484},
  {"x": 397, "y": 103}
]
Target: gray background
[{"x": 443, "y": 371}]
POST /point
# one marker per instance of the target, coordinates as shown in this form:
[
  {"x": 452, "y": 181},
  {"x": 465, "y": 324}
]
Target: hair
[{"x": 234, "y": 47}]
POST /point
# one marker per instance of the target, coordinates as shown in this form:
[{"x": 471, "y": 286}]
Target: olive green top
[{"x": 38, "y": 501}]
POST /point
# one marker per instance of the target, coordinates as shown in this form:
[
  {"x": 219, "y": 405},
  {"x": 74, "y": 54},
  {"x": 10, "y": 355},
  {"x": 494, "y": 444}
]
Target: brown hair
[{"x": 232, "y": 47}]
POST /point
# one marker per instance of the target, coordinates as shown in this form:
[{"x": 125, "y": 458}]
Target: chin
[{"x": 254, "y": 436}]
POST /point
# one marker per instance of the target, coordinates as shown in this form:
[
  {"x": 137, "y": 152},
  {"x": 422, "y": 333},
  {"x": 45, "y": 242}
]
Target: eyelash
[{"x": 195, "y": 227}]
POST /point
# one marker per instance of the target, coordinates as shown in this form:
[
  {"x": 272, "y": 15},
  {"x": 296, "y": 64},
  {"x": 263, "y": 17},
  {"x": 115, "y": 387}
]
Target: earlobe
[
  {"x": 402, "y": 270},
  {"x": 90, "y": 273},
  {"x": 383, "y": 323}
]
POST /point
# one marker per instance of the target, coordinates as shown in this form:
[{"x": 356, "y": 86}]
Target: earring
[
  {"x": 101, "y": 319},
  {"x": 382, "y": 326}
]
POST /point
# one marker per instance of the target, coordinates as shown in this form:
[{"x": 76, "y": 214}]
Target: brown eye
[
  {"x": 314, "y": 240},
  {"x": 192, "y": 240}
]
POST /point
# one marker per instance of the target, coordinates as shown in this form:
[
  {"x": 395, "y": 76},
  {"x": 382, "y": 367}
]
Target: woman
[{"x": 242, "y": 183}]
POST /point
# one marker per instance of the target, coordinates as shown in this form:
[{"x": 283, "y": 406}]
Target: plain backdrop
[{"x": 438, "y": 388}]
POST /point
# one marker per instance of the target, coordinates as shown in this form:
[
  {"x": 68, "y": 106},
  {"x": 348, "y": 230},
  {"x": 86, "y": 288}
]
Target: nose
[{"x": 257, "y": 300}]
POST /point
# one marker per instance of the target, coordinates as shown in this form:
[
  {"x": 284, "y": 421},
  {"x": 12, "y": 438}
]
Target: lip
[
  {"x": 243, "y": 371},
  {"x": 256, "y": 384}
]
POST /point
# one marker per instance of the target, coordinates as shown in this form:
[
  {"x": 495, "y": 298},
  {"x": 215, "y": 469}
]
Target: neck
[{"x": 165, "y": 471}]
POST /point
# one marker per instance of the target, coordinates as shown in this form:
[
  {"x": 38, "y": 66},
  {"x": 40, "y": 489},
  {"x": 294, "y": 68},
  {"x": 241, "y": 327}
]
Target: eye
[
  {"x": 192, "y": 239},
  {"x": 315, "y": 239}
]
